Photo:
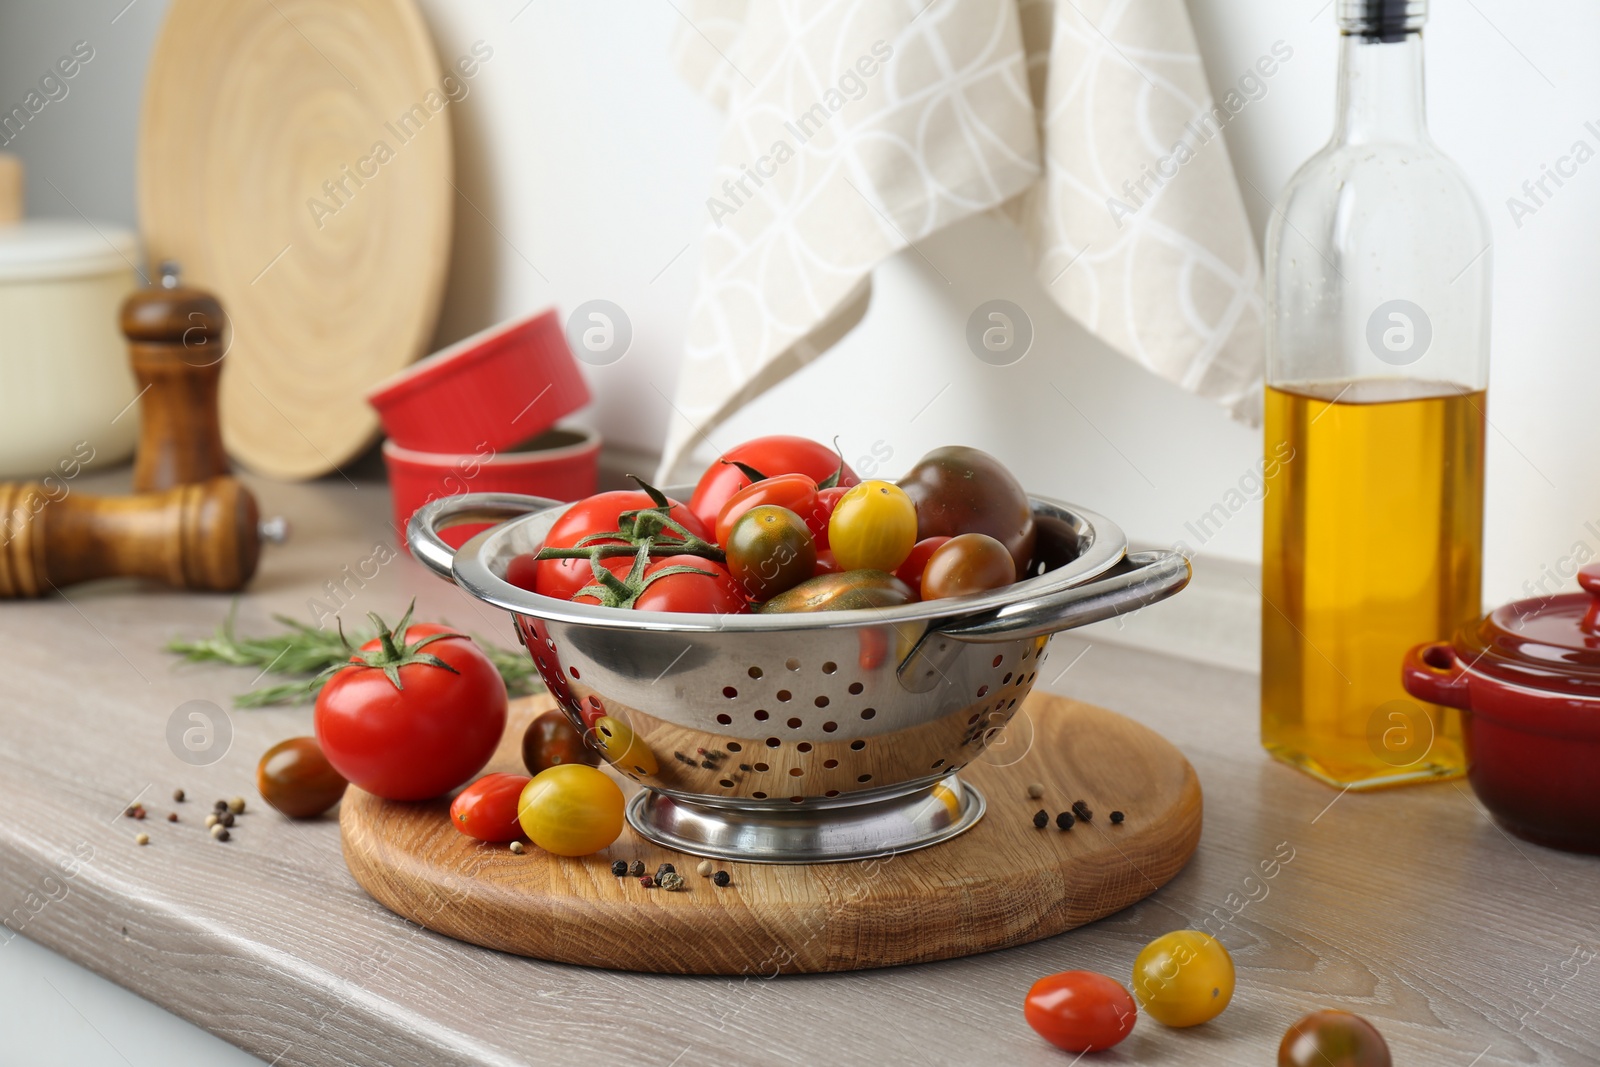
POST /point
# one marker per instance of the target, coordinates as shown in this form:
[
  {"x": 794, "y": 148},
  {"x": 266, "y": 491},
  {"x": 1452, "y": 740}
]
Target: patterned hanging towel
[{"x": 858, "y": 127}]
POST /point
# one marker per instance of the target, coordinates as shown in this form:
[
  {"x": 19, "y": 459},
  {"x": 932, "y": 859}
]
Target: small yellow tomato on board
[
  {"x": 571, "y": 809},
  {"x": 873, "y": 527},
  {"x": 1184, "y": 978}
]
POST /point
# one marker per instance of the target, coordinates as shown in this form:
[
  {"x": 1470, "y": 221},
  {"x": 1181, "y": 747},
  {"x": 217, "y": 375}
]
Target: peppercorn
[
  {"x": 516, "y": 846},
  {"x": 172, "y": 816},
  {"x": 226, "y": 818},
  {"x": 131, "y": 811},
  {"x": 704, "y": 869},
  {"x": 665, "y": 868},
  {"x": 1041, "y": 818},
  {"x": 671, "y": 881},
  {"x": 721, "y": 878},
  {"x": 1035, "y": 790},
  {"x": 220, "y": 832},
  {"x": 1081, "y": 810},
  {"x": 1117, "y": 816},
  {"x": 139, "y": 814},
  {"x": 1064, "y": 820},
  {"x": 211, "y": 820},
  {"x": 619, "y": 868},
  {"x": 647, "y": 881},
  {"x": 636, "y": 869},
  {"x": 221, "y": 805},
  {"x": 177, "y": 794},
  {"x": 236, "y": 805},
  {"x": 141, "y": 839}
]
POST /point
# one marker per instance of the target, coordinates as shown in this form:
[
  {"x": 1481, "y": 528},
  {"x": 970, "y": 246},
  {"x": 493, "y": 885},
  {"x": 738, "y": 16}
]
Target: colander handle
[
  {"x": 422, "y": 532},
  {"x": 1141, "y": 578}
]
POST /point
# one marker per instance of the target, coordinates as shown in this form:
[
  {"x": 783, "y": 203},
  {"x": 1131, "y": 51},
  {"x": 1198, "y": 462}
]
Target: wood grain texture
[
  {"x": 1001, "y": 883},
  {"x": 176, "y": 343},
  {"x": 1408, "y": 906},
  {"x": 261, "y": 173}
]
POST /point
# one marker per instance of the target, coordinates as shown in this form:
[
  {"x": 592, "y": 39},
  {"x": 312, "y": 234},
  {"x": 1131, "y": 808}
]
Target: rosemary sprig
[{"x": 307, "y": 650}]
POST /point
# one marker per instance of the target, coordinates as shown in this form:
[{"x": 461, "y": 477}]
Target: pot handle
[
  {"x": 1141, "y": 578},
  {"x": 1425, "y": 680},
  {"x": 422, "y": 532}
]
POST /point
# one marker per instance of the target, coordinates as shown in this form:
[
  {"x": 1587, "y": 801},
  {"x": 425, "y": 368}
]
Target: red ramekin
[
  {"x": 562, "y": 464},
  {"x": 506, "y": 384}
]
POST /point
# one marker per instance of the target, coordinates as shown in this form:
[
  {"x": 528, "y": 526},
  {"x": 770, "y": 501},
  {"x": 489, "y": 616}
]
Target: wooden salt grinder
[
  {"x": 176, "y": 339},
  {"x": 205, "y": 536}
]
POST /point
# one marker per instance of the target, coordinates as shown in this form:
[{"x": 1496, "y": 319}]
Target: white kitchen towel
[{"x": 858, "y": 127}]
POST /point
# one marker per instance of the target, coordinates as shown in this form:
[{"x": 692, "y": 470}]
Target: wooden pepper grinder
[
  {"x": 176, "y": 339},
  {"x": 206, "y": 536}
]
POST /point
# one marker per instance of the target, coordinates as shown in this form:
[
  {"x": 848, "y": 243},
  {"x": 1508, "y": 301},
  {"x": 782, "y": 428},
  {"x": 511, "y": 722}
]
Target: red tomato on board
[
  {"x": 421, "y": 740},
  {"x": 487, "y": 809},
  {"x": 562, "y": 578},
  {"x": 1080, "y": 1011},
  {"x": 911, "y": 570},
  {"x": 773, "y": 455}
]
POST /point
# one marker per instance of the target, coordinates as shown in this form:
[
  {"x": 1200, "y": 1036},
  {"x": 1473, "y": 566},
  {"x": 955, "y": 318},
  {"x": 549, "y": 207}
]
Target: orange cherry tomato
[
  {"x": 796, "y": 492},
  {"x": 910, "y": 571},
  {"x": 967, "y": 563},
  {"x": 1080, "y": 1011},
  {"x": 487, "y": 809}
]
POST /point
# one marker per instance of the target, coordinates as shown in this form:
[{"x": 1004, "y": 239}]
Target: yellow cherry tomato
[
  {"x": 571, "y": 809},
  {"x": 623, "y": 749},
  {"x": 1183, "y": 978},
  {"x": 873, "y": 527}
]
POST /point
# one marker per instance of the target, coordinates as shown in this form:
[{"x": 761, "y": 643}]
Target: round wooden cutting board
[
  {"x": 1001, "y": 883},
  {"x": 294, "y": 158}
]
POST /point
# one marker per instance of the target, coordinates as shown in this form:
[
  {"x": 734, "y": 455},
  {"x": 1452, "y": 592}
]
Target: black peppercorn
[
  {"x": 1116, "y": 816},
  {"x": 221, "y": 805},
  {"x": 665, "y": 868},
  {"x": 1041, "y": 818},
  {"x": 721, "y": 878},
  {"x": 1064, "y": 820},
  {"x": 619, "y": 868},
  {"x": 226, "y": 818},
  {"x": 637, "y": 869},
  {"x": 1081, "y": 810}
]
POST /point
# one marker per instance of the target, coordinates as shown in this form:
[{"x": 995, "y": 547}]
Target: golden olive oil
[{"x": 1373, "y": 543}]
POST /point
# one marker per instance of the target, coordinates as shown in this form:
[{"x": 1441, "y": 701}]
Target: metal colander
[{"x": 807, "y": 737}]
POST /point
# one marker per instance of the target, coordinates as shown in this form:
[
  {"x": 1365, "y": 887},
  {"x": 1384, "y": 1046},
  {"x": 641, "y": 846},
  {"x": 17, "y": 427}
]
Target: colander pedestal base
[{"x": 829, "y": 832}]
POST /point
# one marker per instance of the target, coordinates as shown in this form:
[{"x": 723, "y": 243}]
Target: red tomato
[
  {"x": 487, "y": 809},
  {"x": 421, "y": 740},
  {"x": 712, "y": 592},
  {"x": 1080, "y": 1011},
  {"x": 910, "y": 571},
  {"x": 523, "y": 571},
  {"x": 797, "y": 492},
  {"x": 561, "y": 578},
  {"x": 826, "y": 564},
  {"x": 772, "y": 456},
  {"x": 827, "y": 500}
]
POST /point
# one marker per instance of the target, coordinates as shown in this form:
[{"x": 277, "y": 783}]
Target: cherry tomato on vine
[
  {"x": 874, "y": 527},
  {"x": 1183, "y": 978},
  {"x": 1333, "y": 1039},
  {"x": 910, "y": 571},
  {"x": 571, "y": 810},
  {"x": 550, "y": 740},
  {"x": 967, "y": 563},
  {"x": 770, "y": 550},
  {"x": 601, "y": 513},
  {"x": 705, "y": 587},
  {"x": 1080, "y": 1011},
  {"x": 796, "y": 492},
  {"x": 772, "y": 455},
  {"x": 423, "y": 737},
  {"x": 487, "y": 809}
]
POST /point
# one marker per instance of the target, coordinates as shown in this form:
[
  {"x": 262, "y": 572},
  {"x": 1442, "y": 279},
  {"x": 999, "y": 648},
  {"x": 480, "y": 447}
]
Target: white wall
[{"x": 588, "y": 155}]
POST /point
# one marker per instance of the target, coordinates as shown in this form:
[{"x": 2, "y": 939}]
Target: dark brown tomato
[
  {"x": 960, "y": 490},
  {"x": 967, "y": 563},
  {"x": 552, "y": 740},
  {"x": 297, "y": 779},
  {"x": 846, "y": 591},
  {"x": 770, "y": 550}
]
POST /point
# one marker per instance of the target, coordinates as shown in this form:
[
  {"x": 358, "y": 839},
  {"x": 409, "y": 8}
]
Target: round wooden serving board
[
  {"x": 1001, "y": 883},
  {"x": 294, "y": 158}
]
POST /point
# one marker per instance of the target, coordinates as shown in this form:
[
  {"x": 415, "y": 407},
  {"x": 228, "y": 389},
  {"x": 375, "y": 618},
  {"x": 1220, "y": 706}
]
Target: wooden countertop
[{"x": 1465, "y": 947}]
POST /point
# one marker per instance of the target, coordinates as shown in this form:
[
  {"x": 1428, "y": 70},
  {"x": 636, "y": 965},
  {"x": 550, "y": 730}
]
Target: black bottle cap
[{"x": 1382, "y": 20}]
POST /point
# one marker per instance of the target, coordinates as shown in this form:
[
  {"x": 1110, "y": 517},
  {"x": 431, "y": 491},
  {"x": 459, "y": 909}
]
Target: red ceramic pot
[
  {"x": 1527, "y": 680},
  {"x": 507, "y": 384},
  {"x": 560, "y": 464}
]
